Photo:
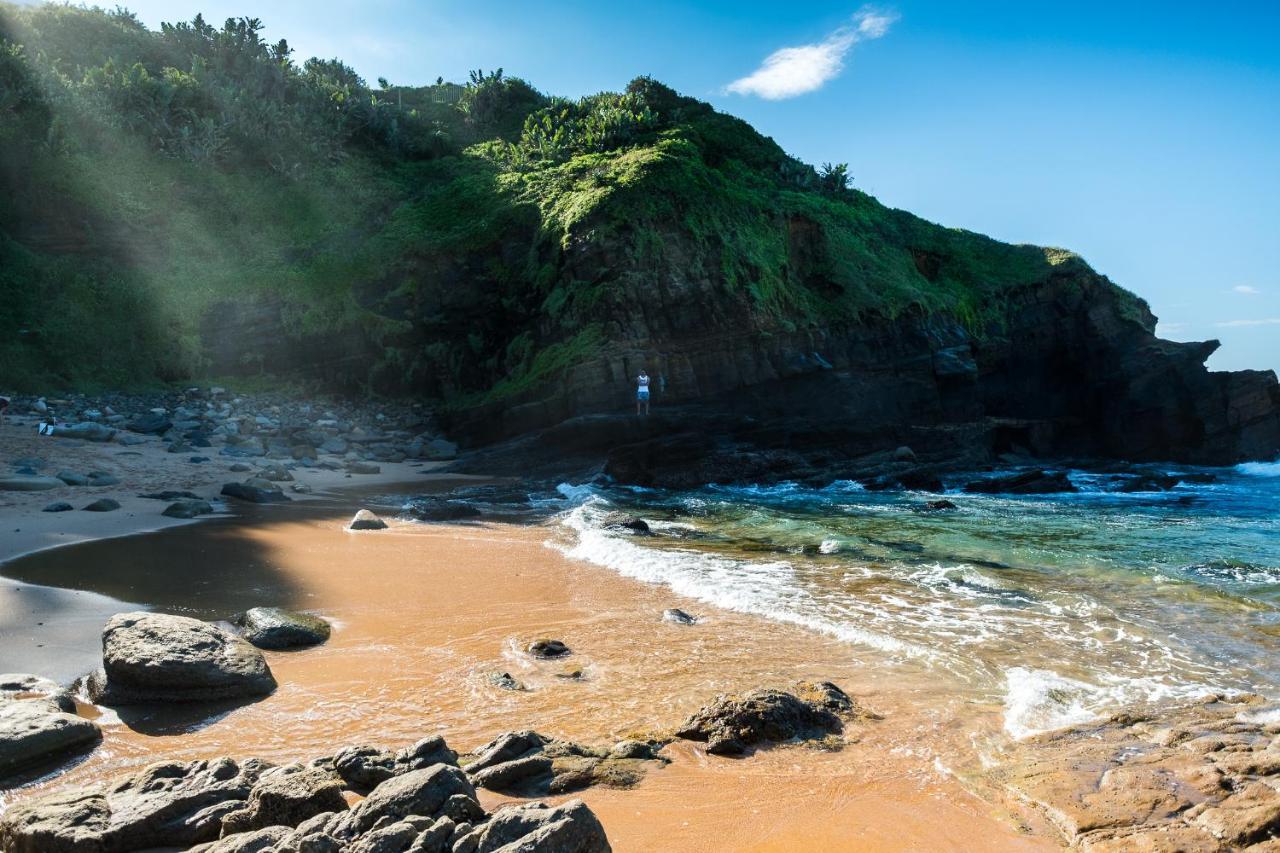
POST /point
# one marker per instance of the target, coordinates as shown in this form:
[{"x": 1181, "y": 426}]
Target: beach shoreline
[{"x": 424, "y": 614}]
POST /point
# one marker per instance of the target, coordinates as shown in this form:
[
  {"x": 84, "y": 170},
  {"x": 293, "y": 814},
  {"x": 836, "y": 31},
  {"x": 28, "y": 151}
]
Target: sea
[{"x": 1061, "y": 608}]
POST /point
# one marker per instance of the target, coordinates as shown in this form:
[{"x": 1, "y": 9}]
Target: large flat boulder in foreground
[
  {"x": 36, "y": 731},
  {"x": 154, "y": 657}
]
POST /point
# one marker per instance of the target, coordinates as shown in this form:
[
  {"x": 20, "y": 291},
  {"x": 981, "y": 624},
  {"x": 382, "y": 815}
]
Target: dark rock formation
[
  {"x": 678, "y": 616},
  {"x": 548, "y": 649},
  {"x": 363, "y": 768},
  {"x": 152, "y": 657},
  {"x": 187, "y": 508},
  {"x": 277, "y": 628},
  {"x": 530, "y": 764},
  {"x": 286, "y": 796},
  {"x": 732, "y": 723},
  {"x": 255, "y": 490},
  {"x": 103, "y": 505},
  {"x": 1027, "y": 483}
]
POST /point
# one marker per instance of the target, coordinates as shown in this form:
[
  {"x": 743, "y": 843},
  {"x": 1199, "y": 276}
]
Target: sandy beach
[{"x": 424, "y": 615}]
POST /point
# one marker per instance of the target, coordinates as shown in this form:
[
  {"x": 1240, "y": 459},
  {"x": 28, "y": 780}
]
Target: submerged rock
[
  {"x": 187, "y": 509},
  {"x": 36, "y": 730},
  {"x": 548, "y": 649},
  {"x": 366, "y": 520},
  {"x": 678, "y": 616},
  {"x": 154, "y": 657},
  {"x": 1036, "y": 482},
  {"x": 277, "y": 628}
]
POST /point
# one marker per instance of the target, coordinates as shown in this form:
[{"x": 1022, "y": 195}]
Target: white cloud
[
  {"x": 1269, "y": 321},
  {"x": 793, "y": 71},
  {"x": 1246, "y": 290}
]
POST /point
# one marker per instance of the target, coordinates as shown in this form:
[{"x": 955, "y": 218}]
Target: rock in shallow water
[
  {"x": 255, "y": 491},
  {"x": 1027, "y": 483},
  {"x": 154, "y": 657},
  {"x": 732, "y": 723},
  {"x": 548, "y": 649},
  {"x": 678, "y": 616},
  {"x": 366, "y": 520},
  {"x": 187, "y": 509},
  {"x": 36, "y": 731},
  {"x": 277, "y": 628}
]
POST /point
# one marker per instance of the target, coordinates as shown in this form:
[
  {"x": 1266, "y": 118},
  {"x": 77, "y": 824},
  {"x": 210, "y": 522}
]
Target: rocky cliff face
[{"x": 1070, "y": 367}]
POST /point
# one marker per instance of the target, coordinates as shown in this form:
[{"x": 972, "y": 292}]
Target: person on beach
[{"x": 642, "y": 392}]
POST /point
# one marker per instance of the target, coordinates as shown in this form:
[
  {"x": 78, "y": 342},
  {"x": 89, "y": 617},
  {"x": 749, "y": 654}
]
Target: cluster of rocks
[
  {"x": 228, "y": 806},
  {"x": 1202, "y": 777},
  {"x": 273, "y": 426},
  {"x": 38, "y": 720}
]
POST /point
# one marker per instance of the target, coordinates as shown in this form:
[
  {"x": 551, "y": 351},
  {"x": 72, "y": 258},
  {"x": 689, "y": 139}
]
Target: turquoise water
[{"x": 1060, "y": 607}]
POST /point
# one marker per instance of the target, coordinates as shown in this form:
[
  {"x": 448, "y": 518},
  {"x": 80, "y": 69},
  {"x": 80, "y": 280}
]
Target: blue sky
[{"x": 1144, "y": 136}]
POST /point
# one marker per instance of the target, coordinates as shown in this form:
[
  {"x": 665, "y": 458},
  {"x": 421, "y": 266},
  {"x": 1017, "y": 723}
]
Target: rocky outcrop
[
  {"x": 363, "y": 768},
  {"x": 277, "y": 628},
  {"x": 166, "y": 805},
  {"x": 153, "y": 657},
  {"x": 531, "y": 764},
  {"x": 1073, "y": 368},
  {"x": 222, "y": 806},
  {"x": 1199, "y": 777},
  {"x": 732, "y": 723},
  {"x": 37, "y": 731}
]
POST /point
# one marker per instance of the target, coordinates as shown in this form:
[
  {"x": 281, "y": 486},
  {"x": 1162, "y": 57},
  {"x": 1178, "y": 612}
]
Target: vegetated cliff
[{"x": 191, "y": 202}]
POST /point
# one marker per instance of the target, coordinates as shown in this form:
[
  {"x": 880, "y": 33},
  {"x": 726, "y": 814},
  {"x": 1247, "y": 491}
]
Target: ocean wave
[
  {"x": 1039, "y": 700},
  {"x": 1259, "y": 469}
]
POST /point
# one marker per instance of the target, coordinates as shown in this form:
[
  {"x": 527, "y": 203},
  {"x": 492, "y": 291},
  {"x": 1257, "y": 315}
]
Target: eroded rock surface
[
  {"x": 531, "y": 764},
  {"x": 277, "y": 628},
  {"x": 36, "y": 731},
  {"x": 1200, "y": 778},
  {"x": 734, "y": 722},
  {"x": 154, "y": 657}
]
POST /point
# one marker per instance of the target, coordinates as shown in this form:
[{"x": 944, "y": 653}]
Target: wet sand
[{"x": 424, "y": 614}]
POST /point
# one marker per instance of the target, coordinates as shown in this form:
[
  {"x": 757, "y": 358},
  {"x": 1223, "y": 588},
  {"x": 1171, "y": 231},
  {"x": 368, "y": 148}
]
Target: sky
[{"x": 1144, "y": 136}]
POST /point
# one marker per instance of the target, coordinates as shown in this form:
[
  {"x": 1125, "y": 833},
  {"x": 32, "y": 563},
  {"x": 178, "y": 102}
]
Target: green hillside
[{"x": 158, "y": 181}]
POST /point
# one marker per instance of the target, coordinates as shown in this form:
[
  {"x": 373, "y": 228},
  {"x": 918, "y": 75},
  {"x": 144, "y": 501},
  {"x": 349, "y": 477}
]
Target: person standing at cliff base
[{"x": 642, "y": 393}]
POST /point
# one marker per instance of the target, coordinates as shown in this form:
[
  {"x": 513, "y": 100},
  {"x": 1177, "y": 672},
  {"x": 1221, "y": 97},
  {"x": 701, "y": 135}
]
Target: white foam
[
  {"x": 765, "y": 589},
  {"x": 1260, "y": 469}
]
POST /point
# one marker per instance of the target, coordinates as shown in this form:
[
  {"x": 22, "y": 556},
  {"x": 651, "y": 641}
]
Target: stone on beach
[
  {"x": 569, "y": 827},
  {"x": 366, "y": 520},
  {"x": 358, "y": 467},
  {"x": 678, "y": 616},
  {"x": 255, "y": 490},
  {"x": 732, "y": 723},
  {"x": 29, "y": 483},
  {"x": 34, "y": 731},
  {"x": 187, "y": 509},
  {"x": 363, "y": 768},
  {"x": 548, "y": 649},
  {"x": 154, "y": 657},
  {"x": 58, "y": 506},
  {"x": 286, "y": 796},
  {"x": 168, "y": 804},
  {"x": 103, "y": 505},
  {"x": 277, "y": 628}
]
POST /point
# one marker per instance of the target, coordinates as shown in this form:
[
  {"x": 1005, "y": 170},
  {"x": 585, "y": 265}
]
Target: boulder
[
  {"x": 570, "y": 827},
  {"x": 170, "y": 804},
  {"x": 102, "y": 478},
  {"x": 58, "y": 506},
  {"x": 1035, "y": 482},
  {"x": 286, "y": 796},
  {"x": 103, "y": 505},
  {"x": 939, "y": 505},
  {"x": 171, "y": 495},
  {"x": 418, "y": 793},
  {"x": 277, "y": 628},
  {"x": 442, "y": 510},
  {"x": 154, "y": 657},
  {"x": 678, "y": 616},
  {"x": 1149, "y": 483},
  {"x": 256, "y": 491},
  {"x": 149, "y": 424},
  {"x": 276, "y": 474},
  {"x": 904, "y": 454},
  {"x": 366, "y": 520},
  {"x": 440, "y": 449},
  {"x": 86, "y": 431},
  {"x": 259, "y": 841},
  {"x": 363, "y": 768},
  {"x": 36, "y": 731},
  {"x": 71, "y": 478},
  {"x": 620, "y": 521},
  {"x": 358, "y": 467},
  {"x": 732, "y": 723},
  {"x": 29, "y": 483},
  {"x": 187, "y": 509},
  {"x": 548, "y": 649}
]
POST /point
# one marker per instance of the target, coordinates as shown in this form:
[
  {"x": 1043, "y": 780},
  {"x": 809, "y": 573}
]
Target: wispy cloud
[
  {"x": 1246, "y": 290},
  {"x": 1268, "y": 321},
  {"x": 793, "y": 71}
]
